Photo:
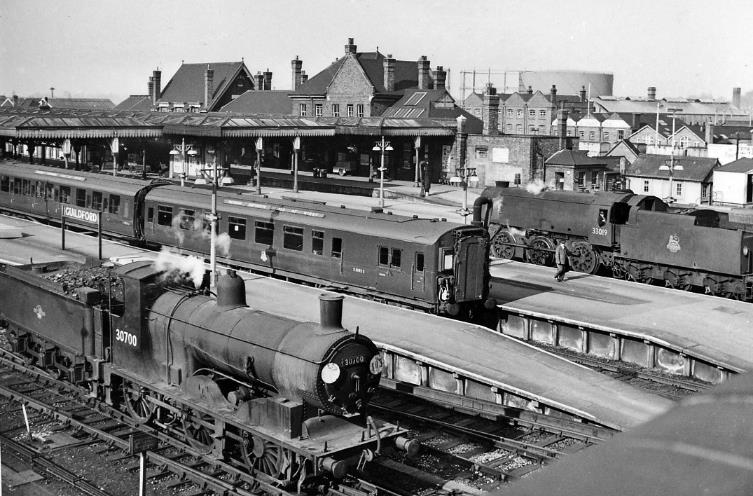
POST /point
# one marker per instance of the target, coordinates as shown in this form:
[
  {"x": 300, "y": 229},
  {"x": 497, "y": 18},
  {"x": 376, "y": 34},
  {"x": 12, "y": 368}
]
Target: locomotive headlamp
[
  {"x": 330, "y": 373},
  {"x": 376, "y": 364}
]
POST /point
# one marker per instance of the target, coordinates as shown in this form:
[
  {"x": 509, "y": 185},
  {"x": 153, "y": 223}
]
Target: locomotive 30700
[{"x": 284, "y": 398}]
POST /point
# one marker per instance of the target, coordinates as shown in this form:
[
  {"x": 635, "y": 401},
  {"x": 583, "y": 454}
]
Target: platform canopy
[{"x": 82, "y": 124}]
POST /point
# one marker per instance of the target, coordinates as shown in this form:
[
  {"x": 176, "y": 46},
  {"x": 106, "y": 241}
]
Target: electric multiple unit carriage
[
  {"x": 288, "y": 399},
  {"x": 633, "y": 235},
  {"x": 429, "y": 264}
]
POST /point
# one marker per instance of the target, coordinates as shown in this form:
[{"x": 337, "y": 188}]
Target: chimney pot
[
  {"x": 423, "y": 73},
  {"x": 157, "y": 77},
  {"x": 651, "y": 93},
  {"x": 490, "y": 111},
  {"x": 259, "y": 81},
  {"x": 208, "y": 86},
  {"x": 389, "y": 73},
  {"x": 440, "y": 78},
  {"x": 267, "y": 80},
  {"x": 296, "y": 65},
  {"x": 530, "y": 90},
  {"x": 350, "y": 48}
]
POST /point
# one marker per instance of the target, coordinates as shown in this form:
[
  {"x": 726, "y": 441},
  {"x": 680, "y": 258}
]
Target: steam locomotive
[
  {"x": 429, "y": 264},
  {"x": 633, "y": 235},
  {"x": 285, "y": 398}
]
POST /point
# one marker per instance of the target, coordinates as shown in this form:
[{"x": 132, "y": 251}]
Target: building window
[
  {"x": 678, "y": 189},
  {"x": 265, "y": 233},
  {"x": 582, "y": 134},
  {"x": 509, "y": 128},
  {"x": 591, "y": 135},
  {"x": 477, "y": 111},
  {"x": 606, "y": 136},
  {"x": 519, "y": 128},
  {"x": 532, "y": 129},
  {"x": 336, "y": 109},
  {"x": 517, "y": 178},
  {"x": 318, "y": 110},
  {"x": 531, "y": 113},
  {"x": 481, "y": 152},
  {"x": 520, "y": 112},
  {"x": 620, "y": 134},
  {"x": 542, "y": 113},
  {"x": 580, "y": 179},
  {"x": 302, "y": 109},
  {"x": 292, "y": 238},
  {"x": 350, "y": 110},
  {"x": 317, "y": 242},
  {"x": 359, "y": 110},
  {"x": 645, "y": 186},
  {"x": 509, "y": 113},
  {"x": 236, "y": 227}
]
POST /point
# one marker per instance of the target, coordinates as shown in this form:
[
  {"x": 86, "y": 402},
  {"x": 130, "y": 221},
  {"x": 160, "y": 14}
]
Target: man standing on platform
[
  {"x": 425, "y": 177},
  {"x": 561, "y": 255}
]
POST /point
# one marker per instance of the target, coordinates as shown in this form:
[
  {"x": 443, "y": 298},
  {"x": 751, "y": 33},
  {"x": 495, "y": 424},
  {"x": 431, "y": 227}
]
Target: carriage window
[
  {"x": 317, "y": 242},
  {"x": 65, "y": 194},
  {"x": 292, "y": 238},
  {"x": 236, "y": 227},
  {"x": 164, "y": 215},
  {"x": 150, "y": 214},
  {"x": 25, "y": 187},
  {"x": 80, "y": 197},
  {"x": 4, "y": 183},
  {"x": 448, "y": 257},
  {"x": 186, "y": 219},
  {"x": 396, "y": 255},
  {"x": 265, "y": 233},
  {"x": 384, "y": 255},
  {"x": 40, "y": 189},
  {"x": 96, "y": 200},
  {"x": 32, "y": 188},
  {"x": 419, "y": 262},
  {"x": 337, "y": 247},
  {"x": 104, "y": 204},
  {"x": 16, "y": 186},
  {"x": 114, "y": 204},
  {"x": 49, "y": 192}
]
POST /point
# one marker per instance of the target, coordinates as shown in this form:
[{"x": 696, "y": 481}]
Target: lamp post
[
  {"x": 183, "y": 149},
  {"x": 381, "y": 147},
  {"x": 213, "y": 217},
  {"x": 259, "y": 144},
  {"x": 672, "y": 167}
]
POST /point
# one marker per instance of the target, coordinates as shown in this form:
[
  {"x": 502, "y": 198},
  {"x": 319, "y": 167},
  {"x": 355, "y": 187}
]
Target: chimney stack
[
  {"x": 709, "y": 135},
  {"x": 423, "y": 73},
  {"x": 259, "y": 80},
  {"x": 553, "y": 95},
  {"x": 490, "y": 111},
  {"x": 304, "y": 77},
  {"x": 350, "y": 48},
  {"x": 440, "y": 78},
  {"x": 652, "y": 93},
  {"x": 208, "y": 87},
  {"x": 267, "y": 80},
  {"x": 736, "y": 97},
  {"x": 530, "y": 90},
  {"x": 231, "y": 291},
  {"x": 389, "y": 73},
  {"x": 562, "y": 127},
  {"x": 331, "y": 311},
  {"x": 583, "y": 94},
  {"x": 296, "y": 65},
  {"x": 150, "y": 87},
  {"x": 157, "y": 78}
]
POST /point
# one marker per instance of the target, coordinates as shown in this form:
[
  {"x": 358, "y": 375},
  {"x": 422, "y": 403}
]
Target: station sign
[{"x": 81, "y": 214}]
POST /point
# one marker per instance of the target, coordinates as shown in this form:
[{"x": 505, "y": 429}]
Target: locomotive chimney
[
  {"x": 331, "y": 311},
  {"x": 231, "y": 291}
]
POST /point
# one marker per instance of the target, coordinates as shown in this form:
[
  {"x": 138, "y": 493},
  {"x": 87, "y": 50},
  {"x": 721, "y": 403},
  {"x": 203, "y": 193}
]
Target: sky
[{"x": 105, "y": 48}]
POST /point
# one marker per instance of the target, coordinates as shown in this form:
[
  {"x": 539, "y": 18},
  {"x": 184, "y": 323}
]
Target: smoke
[
  {"x": 175, "y": 229},
  {"x": 178, "y": 266},
  {"x": 536, "y": 187},
  {"x": 516, "y": 233},
  {"x": 223, "y": 244}
]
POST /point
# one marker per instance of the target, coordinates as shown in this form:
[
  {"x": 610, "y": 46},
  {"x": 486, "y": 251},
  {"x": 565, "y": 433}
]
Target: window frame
[
  {"x": 336, "y": 248},
  {"x": 336, "y": 110},
  {"x": 260, "y": 227},
  {"x": 302, "y": 109},
  {"x": 240, "y": 224},
  {"x": 349, "y": 109},
  {"x": 292, "y": 238},
  {"x": 164, "y": 218},
  {"x": 317, "y": 242},
  {"x": 318, "y": 109}
]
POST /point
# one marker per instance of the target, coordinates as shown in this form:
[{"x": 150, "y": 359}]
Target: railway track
[
  {"x": 65, "y": 414},
  {"x": 468, "y": 453}
]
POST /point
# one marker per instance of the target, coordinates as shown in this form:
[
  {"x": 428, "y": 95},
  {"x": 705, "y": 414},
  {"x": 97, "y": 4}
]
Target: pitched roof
[
  {"x": 261, "y": 102},
  {"x": 695, "y": 169},
  {"x": 473, "y": 100},
  {"x": 579, "y": 158},
  {"x": 644, "y": 106},
  {"x": 433, "y": 104},
  {"x": 372, "y": 63},
  {"x": 67, "y": 103},
  {"x": 187, "y": 85},
  {"x": 741, "y": 165},
  {"x": 135, "y": 102}
]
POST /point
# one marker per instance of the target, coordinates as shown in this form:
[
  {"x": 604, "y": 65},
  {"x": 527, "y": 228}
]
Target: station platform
[
  {"x": 712, "y": 329},
  {"x": 437, "y": 352}
]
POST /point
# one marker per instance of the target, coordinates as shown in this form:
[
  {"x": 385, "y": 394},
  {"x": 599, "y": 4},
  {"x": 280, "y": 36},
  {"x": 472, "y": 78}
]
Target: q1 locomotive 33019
[
  {"x": 285, "y": 398},
  {"x": 430, "y": 264},
  {"x": 633, "y": 235}
]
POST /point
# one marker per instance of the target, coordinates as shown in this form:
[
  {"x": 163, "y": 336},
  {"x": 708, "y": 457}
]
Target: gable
[
  {"x": 539, "y": 100},
  {"x": 515, "y": 100},
  {"x": 350, "y": 79}
]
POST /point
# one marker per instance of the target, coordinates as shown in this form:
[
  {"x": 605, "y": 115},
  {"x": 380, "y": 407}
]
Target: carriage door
[
  {"x": 469, "y": 269},
  {"x": 417, "y": 278}
]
